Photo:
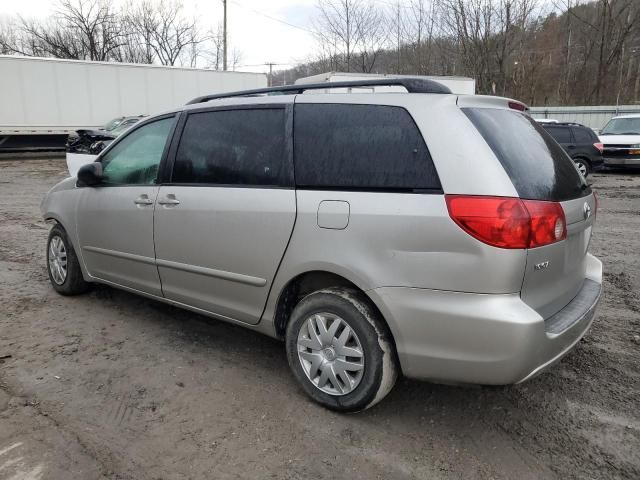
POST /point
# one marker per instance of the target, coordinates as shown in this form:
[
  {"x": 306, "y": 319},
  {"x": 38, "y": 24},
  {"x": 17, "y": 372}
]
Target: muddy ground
[{"x": 110, "y": 385}]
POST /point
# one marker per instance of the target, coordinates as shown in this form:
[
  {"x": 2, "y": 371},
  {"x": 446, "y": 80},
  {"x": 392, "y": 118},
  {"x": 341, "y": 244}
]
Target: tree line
[
  {"x": 544, "y": 52},
  {"x": 569, "y": 52},
  {"x": 142, "y": 31}
]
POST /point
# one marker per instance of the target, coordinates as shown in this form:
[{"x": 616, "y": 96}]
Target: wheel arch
[
  {"x": 581, "y": 157},
  {"x": 310, "y": 281},
  {"x": 53, "y": 219}
]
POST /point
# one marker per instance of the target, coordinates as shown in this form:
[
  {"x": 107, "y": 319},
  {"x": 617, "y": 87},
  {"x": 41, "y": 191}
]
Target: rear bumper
[
  {"x": 597, "y": 164},
  {"x": 486, "y": 339},
  {"x": 621, "y": 162}
]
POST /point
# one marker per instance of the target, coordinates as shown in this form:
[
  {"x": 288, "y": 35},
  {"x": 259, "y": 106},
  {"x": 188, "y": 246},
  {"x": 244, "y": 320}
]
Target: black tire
[
  {"x": 380, "y": 364},
  {"x": 581, "y": 163},
  {"x": 74, "y": 283}
]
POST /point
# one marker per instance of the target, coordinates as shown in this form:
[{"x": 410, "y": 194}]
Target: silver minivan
[{"x": 439, "y": 236}]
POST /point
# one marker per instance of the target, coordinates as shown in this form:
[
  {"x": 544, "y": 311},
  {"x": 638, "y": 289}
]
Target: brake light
[
  {"x": 518, "y": 106},
  {"x": 507, "y": 222},
  {"x": 599, "y": 146}
]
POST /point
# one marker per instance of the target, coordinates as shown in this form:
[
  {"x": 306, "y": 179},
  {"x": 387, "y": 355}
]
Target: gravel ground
[{"x": 110, "y": 385}]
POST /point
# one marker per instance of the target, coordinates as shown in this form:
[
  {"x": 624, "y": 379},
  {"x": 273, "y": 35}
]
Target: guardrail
[{"x": 591, "y": 116}]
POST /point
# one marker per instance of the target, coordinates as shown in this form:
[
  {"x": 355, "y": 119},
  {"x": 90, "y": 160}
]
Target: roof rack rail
[
  {"x": 570, "y": 124},
  {"x": 413, "y": 85}
]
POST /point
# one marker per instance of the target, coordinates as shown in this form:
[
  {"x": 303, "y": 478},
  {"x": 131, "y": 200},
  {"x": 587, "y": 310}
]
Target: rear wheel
[
  {"x": 583, "y": 166},
  {"x": 62, "y": 264},
  {"x": 340, "y": 351}
]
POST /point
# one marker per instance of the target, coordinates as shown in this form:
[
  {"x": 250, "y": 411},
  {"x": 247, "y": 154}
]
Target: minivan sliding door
[{"x": 223, "y": 221}]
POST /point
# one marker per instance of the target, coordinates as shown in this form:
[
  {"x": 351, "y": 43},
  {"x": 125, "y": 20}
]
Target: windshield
[
  {"x": 113, "y": 124},
  {"x": 122, "y": 127},
  {"x": 622, "y": 126}
]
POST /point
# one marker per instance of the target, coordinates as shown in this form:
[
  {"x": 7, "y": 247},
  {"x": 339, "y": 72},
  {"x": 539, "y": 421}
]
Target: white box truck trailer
[
  {"x": 460, "y": 85},
  {"x": 53, "y": 97}
]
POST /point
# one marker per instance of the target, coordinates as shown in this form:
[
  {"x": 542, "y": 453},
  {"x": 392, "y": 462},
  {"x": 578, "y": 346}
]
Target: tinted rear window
[
  {"x": 536, "y": 164},
  {"x": 233, "y": 147},
  {"x": 361, "y": 147},
  {"x": 584, "y": 135},
  {"x": 561, "y": 134}
]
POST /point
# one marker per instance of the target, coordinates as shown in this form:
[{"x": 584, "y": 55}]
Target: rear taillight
[
  {"x": 599, "y": 146},
  {"x": 508, "y": 222}
]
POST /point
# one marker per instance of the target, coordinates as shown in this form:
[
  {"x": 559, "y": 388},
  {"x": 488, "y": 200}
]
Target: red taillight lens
[
  {"x": 599, "y": 146},
  {"x": 518, "y": 106},
  {"x": 507, "y": 222},
  {"x": 547, "y": 222}
]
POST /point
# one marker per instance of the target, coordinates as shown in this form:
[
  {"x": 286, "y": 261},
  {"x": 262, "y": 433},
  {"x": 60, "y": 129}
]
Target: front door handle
[
  {"x": 169, "y": 200},
  {"x": 143, "y": 200}
]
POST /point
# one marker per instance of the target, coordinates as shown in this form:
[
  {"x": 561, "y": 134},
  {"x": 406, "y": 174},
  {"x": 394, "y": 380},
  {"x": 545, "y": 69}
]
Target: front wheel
[
  {"x": 63, "y": 265},
  {"x": 340, "y": 350},
  {"x": 583, "y": 166}
]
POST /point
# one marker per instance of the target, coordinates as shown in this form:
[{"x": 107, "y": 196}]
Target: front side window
[
  {"x": 372, "y": 147},
  {"x": 233, "y": 147},
  {"x": 135, "y": 159}
]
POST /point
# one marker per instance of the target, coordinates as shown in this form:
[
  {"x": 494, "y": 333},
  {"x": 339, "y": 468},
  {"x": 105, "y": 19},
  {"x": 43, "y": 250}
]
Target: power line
[
  {"x": 265, "y": 64},
  {"x": 273, "y": 18}
]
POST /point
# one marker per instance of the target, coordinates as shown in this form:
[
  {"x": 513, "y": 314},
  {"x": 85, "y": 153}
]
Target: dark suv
[{"x": 580, "y": 142}]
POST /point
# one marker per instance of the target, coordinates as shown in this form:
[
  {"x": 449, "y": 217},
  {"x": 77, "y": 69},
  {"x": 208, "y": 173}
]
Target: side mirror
[{"x": 89, "y": 175}]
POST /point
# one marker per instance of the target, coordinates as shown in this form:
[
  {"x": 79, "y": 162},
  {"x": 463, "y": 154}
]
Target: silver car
[{"x": 439, "y": 236}]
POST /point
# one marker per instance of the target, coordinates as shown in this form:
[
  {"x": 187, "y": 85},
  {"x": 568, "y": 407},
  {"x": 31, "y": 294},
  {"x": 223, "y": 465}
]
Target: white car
[{"x": 621, "y": 139}]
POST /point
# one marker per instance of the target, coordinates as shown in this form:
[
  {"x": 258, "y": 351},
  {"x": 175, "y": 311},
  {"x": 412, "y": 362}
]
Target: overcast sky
[{"x": 259, "y": 38}]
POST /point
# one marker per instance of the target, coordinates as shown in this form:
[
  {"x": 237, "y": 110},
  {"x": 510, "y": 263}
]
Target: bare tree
[
  {"x": 78, "y": 29},
  {"x": 165, "y": 31},
  {"x": 350, "y": 29}
]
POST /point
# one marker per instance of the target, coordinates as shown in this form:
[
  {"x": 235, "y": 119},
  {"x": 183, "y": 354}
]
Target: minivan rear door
[
  {"x": 224, "y": 218},
  {"x": 541, "y": 170}
]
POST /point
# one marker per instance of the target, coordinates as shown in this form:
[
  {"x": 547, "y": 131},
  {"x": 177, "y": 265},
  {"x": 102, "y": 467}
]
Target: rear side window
[
  {"x": 537, "y": 166},
  {"x": 233, "y": 147},
  {"x": 369, "y": 147},
  {"x": 584, "y": 135},
  {"x": 561, "y": 134}
]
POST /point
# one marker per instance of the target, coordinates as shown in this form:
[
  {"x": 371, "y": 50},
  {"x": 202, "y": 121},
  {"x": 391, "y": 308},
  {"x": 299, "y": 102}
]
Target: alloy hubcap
[
  {"x": 330, "y": 353},
  {"x": 582, "y": 168},
  {"x": 57, "y": 260}
]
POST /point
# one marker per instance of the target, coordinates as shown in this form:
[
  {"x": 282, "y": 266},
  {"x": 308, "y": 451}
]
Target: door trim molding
[
  {"x": 211, "y": 272},
  {"x": 115, "y": 253}
]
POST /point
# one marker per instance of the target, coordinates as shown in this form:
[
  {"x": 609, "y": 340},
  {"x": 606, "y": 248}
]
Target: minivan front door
[
  {"x": 115, "y": 218},
  {"x": 223, "y": 222}
]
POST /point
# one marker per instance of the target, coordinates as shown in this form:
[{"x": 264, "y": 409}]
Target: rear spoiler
[{"x": 488, "y": 101}]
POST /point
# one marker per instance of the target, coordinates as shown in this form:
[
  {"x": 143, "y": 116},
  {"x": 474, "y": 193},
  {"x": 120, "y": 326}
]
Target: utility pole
[
  {"x": 271, "y": 64},
  {"x": 224, "y": 37}
]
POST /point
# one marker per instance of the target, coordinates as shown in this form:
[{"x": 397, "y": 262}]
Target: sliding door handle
[
  {"x": 170, "y": 199},
  {"x": 143, "y": 200}
]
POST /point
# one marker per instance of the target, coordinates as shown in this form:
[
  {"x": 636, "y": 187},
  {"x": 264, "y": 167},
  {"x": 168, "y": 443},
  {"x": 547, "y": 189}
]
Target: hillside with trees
[{"x": 576, "y": 53}]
